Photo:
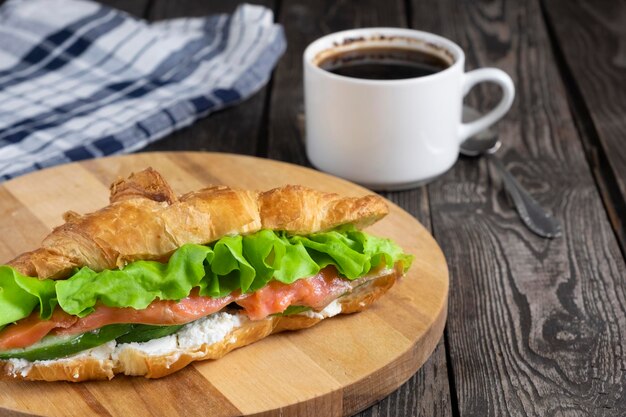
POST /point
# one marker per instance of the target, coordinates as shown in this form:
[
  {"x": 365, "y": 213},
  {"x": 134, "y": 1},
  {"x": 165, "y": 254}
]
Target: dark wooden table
[{"x": 536, "y": 327}]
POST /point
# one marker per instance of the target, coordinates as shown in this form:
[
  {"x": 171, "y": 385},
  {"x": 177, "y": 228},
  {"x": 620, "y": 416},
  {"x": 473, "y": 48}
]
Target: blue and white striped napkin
[{"x": 80, "y": 80}]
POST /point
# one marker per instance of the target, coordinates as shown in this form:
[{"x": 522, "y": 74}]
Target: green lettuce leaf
[
  {"x": 137, "y": 285},
  {"x": 232, "y": 263},
  {"x": 19, "y": 295}
]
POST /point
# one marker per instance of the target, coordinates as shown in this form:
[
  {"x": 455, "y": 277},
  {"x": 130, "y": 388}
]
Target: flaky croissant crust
[{"x": 145, "y": 220}]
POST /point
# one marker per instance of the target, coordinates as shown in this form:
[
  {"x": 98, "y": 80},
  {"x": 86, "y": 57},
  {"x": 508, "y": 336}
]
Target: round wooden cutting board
[{"x": 336, "y": 368}]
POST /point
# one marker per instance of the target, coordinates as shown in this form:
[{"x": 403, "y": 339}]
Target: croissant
[
  {"x": 145, "y": 220},
  {"x": 203, "y": 311}
]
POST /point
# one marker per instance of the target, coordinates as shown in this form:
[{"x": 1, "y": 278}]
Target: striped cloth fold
[{"x": 80, "y": 80}]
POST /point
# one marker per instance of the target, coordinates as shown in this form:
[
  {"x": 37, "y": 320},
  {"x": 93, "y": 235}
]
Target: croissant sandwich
[{"x": 152, "y": 282}]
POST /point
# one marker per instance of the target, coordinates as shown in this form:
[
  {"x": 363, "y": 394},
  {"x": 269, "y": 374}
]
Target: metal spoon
[{"x": 531, "y": 213}]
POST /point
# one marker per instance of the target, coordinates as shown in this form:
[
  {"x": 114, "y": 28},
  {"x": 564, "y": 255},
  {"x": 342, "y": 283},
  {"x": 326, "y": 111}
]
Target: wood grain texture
[
  {"x": 336, "y": 368},
  {"x": 590, "y": 39},
  {"x": 236, "y": 129},
  {"x": 426, "y": 393},
  {"x": 536, "y": 326}
]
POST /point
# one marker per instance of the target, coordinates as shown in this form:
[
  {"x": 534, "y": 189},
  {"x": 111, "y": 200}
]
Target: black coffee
[{"x": 383, "y": 63}]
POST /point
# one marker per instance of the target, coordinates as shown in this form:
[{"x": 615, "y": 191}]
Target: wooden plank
[
  {"x": 235, "y": 129},
  {"x": 427, "y": 392},
  {"x": 535, "y": 326},
  {"x": 591, "y": 45}
]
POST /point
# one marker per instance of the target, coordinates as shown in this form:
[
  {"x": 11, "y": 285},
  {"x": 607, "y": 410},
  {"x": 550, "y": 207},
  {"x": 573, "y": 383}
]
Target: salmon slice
[
  {"x": 32, "y": 329},
  {"x": 159, "y": 312},
  {"x": 315, "y": 292}
]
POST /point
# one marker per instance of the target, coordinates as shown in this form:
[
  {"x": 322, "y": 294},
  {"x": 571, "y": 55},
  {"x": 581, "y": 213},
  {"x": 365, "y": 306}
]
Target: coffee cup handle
[{"x": 493, "y": 75}]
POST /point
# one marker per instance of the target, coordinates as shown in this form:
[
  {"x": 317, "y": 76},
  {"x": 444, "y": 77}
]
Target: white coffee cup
[{"x": 391, "y": 134}]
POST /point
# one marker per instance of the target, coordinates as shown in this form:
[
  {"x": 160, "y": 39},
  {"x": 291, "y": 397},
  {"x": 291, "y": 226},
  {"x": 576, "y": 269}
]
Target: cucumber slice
[
  {"x": 295, "y": 310},
  {"x": 143, "y": 333},
  {"x": 55, "y": 347}
]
